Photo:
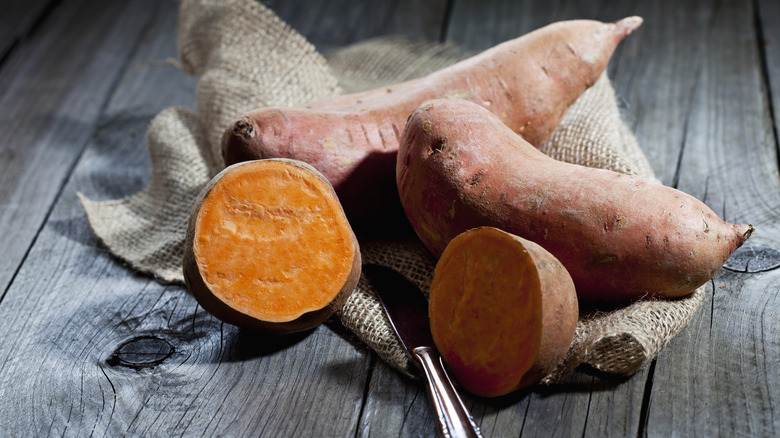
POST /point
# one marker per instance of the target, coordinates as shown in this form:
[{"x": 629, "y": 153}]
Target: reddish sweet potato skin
[
  {"x": 528, "y": 82},
  {"x": 620, "y": 237},
  {"x": 560, "y": 311}
]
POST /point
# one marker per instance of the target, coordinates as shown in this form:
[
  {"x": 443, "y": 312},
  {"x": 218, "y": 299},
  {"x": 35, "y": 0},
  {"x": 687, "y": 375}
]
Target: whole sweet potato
[
  {"x": 619, "y": 237},
  {"x": 528, "y": 82},
  {"x": 503, "y": 311}
]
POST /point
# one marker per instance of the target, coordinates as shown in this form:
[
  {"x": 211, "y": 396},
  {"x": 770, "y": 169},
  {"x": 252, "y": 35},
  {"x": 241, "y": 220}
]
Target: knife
[{"x": 407, "y": 310}]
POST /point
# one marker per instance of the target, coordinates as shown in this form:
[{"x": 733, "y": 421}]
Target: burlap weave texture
[{"x": 244, "y": 57}]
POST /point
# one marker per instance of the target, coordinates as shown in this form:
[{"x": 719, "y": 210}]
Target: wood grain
[
  {"x": 656, "y": 82},
  {"x": 90, "y": 348},
  {"x": 18, "y": 19},
  {"x": 52, "y": 90},
  {"x": 583, "y": 404},
  {"x": 333, "y": 24},
  {"x": 64, "y": 370},
  {"x": 717, "y": 378},
  {"x": 61, "y": 369}
]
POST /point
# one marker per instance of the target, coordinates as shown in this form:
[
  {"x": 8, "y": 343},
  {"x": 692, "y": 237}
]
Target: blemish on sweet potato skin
[
  {"x": 619, "y": 237},
  {"x": 364, "y": 126},
  {"x": 243, "y": 128},
  {"x": 474, "y": 180}
]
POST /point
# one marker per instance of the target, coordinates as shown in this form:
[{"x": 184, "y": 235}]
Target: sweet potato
[
  {"x": 619, "y": 237},
  {"x": 269, "y": 247},
  {"x": 503, "y": 311},
  {"x": 529, "y": 82}
]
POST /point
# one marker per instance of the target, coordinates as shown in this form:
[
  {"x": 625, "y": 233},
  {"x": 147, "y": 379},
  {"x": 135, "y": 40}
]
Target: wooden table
[{"x": 89, "y": 348}]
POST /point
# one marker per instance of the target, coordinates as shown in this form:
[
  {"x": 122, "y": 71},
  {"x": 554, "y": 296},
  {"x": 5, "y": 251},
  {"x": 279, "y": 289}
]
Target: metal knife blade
[
  {"x": 405, "y": 305},
  {"x": 407, "y": 310}
]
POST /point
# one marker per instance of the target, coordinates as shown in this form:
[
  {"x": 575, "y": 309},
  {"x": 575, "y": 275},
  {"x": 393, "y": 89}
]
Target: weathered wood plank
[
  {"x": 98, "y": 351},
  {"x": 718, "y": 380},
  {"x": 88, "y": 348},
  {"x": 396, "y": 406},
  {"x": 217, "y": 380},
  {"x": 768, "y": 13},
  {"x": 332, "y": 24},
  {"x": 584, "y": 404},
  {"x": 17, "y": 19},
  {"x": 656, "y": 77},
  {"x": 481, "y": 25},
  {"x": 52, "y": 89}
]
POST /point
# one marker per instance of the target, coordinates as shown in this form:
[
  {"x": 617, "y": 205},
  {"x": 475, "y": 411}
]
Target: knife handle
[{"x": 454, "y": 419}]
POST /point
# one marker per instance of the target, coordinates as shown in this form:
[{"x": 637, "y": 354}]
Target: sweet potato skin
[
  {"x": 197, "y": 286},
  {"x": 560, "y": 312},
  {"x": 528, "y": 82},
  {"x": 503, "y": 311},
  {"x": 620, "y": 237}
]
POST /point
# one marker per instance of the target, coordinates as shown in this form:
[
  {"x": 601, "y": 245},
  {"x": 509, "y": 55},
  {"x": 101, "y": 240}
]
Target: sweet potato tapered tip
[
  {"x": 629, "y": 24},
  {"x": 621, "y": 238},
  {"x": 529, "y": 82}
]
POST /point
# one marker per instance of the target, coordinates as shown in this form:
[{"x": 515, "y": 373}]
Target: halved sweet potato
[
  {"x": 502, "y": 309},
  {"x": 269, "y": 247}
]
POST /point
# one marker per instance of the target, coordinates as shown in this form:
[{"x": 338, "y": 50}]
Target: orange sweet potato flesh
[
  {"x": 269, "y": 247},
  {"x": 620, "y": 237},
  {"x": 503, "y": 311},
  {"x": 528, "y": 82}
]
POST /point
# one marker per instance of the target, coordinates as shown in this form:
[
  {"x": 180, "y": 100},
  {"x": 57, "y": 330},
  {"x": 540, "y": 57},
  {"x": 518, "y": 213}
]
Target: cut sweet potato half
[
  {"x": 269, "y": 247},
  {"x": 502, "y": 309}
]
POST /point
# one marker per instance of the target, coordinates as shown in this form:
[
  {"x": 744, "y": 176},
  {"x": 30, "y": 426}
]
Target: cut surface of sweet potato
[
  {"x": 502, "y": 311},
  {"x": 270, "y": 247}
]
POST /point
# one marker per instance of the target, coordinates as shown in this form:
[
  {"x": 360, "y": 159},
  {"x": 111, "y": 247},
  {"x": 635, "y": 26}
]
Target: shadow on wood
[{"x": 248, "y": 344}]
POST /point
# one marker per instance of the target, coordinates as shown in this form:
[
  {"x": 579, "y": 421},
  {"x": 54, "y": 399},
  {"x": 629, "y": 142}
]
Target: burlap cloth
[{"x": 246, "y": 57}]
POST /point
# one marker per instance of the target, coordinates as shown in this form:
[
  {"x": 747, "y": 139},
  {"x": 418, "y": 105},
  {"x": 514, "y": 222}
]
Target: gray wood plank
[
  {"x": 52, "y": 89},
  {"x": 583, "y": 405},
  {"x": 61, "y": 373},
  {"x": 480, "y": 25},
  {"x": 217, "y": 380},
  {"x": 718, "y": 380},
  {"x": 17, "y": 20},
  {"x": 768, "y": 13},
  {"x": 91, "y": 349},
  {"x": 396, "y": 406},
  {"x": 332, "y": 24},
  {"x": 88, "y": 348},
  {"x": 655, "y": 78}
]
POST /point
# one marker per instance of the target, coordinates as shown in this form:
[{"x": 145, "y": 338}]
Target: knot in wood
[
  {"x": 141, "y": 352},
  {"x": 750, "y": 259}
]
